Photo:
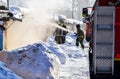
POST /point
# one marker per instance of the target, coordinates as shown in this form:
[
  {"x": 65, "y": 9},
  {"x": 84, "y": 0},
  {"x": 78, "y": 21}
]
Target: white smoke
[{"x": 35, "y": 25}]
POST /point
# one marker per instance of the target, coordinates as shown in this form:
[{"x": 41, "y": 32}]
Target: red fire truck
[{"x": 103, "y": 33}]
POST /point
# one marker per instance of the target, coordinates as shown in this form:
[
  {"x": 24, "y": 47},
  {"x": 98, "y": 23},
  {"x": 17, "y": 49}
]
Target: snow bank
[
  {"x": 6, "y": 73},
  {"x": 76, "y": 65},
  {"x": 33, "y": 62},
  {"x": 67, "y": 50},
  {"x": 58, "y": 52},
  {"x": 51, "y": 44}
]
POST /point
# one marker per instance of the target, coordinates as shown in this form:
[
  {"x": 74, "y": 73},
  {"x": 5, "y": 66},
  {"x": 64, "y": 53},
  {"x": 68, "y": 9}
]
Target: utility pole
[
  {"x": 73, "y": 9},
  {"x": 73, "y": 3},
  {"x": 8, "y": 4}
]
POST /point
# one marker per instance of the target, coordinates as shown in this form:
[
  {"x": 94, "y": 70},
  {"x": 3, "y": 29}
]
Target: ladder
[{"x": 103, "y": 46}]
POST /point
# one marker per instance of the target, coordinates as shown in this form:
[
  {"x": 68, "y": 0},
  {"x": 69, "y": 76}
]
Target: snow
[
  {"x": 57, "y": 18},
  {"x": 48, "y": 60},
  {"x": 18, "y": 12},
  {"x": 58, "y": 52},
  {"x": 6, "y": 73},
  {"x": 33, "y": 62},
  {"x": 74, "y": 22},
  {"x": 77, "y": 65}
]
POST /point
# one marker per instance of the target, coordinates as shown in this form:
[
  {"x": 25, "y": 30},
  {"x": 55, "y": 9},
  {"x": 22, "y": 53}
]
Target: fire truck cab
[{"x": 104, "y": 39}]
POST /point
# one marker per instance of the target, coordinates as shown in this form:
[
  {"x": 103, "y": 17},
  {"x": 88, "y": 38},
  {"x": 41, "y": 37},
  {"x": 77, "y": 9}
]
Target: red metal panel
[
  {"x": 88, "y": 31},
  {"x": 105, "y": 2},
  {"x": 117, "y": 32}
]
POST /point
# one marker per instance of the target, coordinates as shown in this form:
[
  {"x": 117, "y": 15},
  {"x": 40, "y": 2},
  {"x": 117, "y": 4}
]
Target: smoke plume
[{"x": 35, "y": 26}]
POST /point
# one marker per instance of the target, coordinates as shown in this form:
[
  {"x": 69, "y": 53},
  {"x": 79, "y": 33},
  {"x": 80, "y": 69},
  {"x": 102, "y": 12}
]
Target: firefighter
[
  {"x": 60, "y": 35},
  {"x": 80, "y": 36}
]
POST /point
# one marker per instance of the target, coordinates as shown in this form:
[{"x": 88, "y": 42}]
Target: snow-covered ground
[
  {"x": 48, "y": 60},
  {"x": 6, "y": 73},
  {"x": 77, "y": 65}
]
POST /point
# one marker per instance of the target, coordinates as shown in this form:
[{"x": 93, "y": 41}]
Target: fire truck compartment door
[{"x": 104, "y": 40}]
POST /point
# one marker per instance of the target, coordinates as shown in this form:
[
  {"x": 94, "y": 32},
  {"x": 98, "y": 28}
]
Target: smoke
[{"x": 35, "y": 26}]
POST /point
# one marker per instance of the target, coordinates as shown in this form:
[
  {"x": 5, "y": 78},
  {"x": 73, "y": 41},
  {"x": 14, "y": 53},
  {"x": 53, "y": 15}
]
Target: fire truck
[{"x": 103, "y": 34}]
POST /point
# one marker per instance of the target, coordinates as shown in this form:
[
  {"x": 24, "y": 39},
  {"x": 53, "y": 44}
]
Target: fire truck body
[{"x": 105, "y": 57}]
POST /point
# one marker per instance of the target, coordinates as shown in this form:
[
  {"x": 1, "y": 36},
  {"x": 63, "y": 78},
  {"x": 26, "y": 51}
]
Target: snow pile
[
  {"x": 33, "y": 62},
  {"x": 6, "y": 73},
  {"x": 58, "y": 52},
  {"x": 49, "y": 60}
]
